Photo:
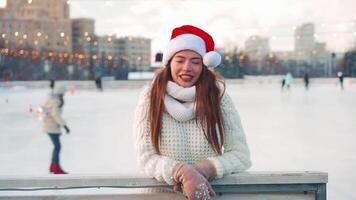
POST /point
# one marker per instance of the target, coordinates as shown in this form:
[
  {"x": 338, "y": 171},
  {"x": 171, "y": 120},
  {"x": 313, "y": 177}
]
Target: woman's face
[{"x": 186, "y": 67}]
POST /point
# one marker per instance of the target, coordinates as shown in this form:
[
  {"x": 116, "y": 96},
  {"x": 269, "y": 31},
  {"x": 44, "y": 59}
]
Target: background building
[
  {"x": 257, "y": 46},
  {"x": 311, "y": 55},
  {"x": 136, "y": 51},
  {"x": 84, "y": 39},
  {"x": 40, "y": 24},
  {"x": 304, "y": 41},
  {"x": 107, "y": 46}
]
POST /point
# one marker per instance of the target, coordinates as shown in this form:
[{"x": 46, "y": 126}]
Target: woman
[
  {"x": 187, "y": 129},
  {"x": 52, "y": 123}
]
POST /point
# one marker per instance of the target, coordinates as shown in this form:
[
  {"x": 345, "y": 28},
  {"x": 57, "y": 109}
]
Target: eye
[
  {"x": 196, "y": 62},
  {"x": 180, "y": 61}
]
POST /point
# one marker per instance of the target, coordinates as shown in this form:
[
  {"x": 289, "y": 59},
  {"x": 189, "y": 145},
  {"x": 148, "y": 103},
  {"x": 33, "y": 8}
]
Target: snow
[{"x": 290, "y": 130}]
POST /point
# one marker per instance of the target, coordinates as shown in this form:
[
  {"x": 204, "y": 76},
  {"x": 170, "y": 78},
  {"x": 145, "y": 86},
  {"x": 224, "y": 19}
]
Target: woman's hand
[
  {"x": 194, "y": 185},
  {"x": 67, "y": 129},
  {"x": 206, "y": 168}
]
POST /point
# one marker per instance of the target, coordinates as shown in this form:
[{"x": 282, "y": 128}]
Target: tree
[{"x": 349, "y": 63}]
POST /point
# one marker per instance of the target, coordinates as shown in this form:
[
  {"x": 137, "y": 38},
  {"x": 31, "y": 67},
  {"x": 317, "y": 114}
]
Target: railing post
[{"x": 321, "y": 192}]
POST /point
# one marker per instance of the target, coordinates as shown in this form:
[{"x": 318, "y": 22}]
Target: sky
[{"x": 230, "y": 22}]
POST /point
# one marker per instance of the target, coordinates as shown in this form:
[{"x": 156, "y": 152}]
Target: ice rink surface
[{"x": 290, "y": 130}]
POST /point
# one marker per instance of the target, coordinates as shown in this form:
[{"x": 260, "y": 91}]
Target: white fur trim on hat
[
  {"x": 191, "y": 42},
  {"x": 184, "y": 42},
  {"x": 212, "y": 59}
]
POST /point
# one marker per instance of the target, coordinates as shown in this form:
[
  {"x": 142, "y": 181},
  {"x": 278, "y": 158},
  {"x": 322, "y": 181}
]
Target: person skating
[
  {"x": 52, "y": 124},
  {"x": 341, "y": 80},
  {"x": 98, "y": 83},
  {"x": 288, "y": 80},
  {"x": 283, "y": 83},
  {"x": 306, "y": 81},
  {"x": 52, "y": 84}
]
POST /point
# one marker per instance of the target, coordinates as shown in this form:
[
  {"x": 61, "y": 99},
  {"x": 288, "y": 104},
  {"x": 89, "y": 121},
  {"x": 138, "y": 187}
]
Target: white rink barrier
[
  {"x": 243, "y": 186},
  {"x": 90, "y": 85}
]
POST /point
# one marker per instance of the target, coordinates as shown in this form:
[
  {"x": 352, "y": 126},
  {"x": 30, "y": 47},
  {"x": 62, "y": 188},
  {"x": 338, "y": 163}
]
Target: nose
[{"x": 187, "y": 66}]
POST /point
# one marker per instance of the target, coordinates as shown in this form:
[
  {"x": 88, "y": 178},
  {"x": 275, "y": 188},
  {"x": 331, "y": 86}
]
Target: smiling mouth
[{"x": 186, "y": 77}]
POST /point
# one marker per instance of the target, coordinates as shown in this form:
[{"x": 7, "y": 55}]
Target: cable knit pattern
[
  {"x": 181, "y": 93},
  {"x": 185, "y": 142},
  {"x": 179, "y": 102},
  {"x": 236, "y": 156}
]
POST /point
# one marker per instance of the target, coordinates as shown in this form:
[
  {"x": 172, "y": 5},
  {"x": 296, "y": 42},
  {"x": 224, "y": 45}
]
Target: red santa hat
[{"x": 189, "y": 37}]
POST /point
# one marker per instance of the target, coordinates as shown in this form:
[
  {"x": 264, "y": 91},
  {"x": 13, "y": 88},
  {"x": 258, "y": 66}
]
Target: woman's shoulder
[
  {"x": 144, "y": 94},
  {"x": 221, "y": 86},
  {"x": 145, "y": 90},
  {"x": 226, "y": 100}
]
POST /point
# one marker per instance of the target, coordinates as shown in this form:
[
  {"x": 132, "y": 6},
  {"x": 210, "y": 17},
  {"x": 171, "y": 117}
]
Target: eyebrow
[{"x": 186, "y": 58}]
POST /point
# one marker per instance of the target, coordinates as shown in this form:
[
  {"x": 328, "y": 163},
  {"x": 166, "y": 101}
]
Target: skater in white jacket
[{"x": 52, "y": 124}]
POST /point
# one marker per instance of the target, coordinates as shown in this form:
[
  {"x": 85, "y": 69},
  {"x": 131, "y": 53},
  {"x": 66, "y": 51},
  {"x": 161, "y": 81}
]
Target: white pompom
[{"x": 212, "y": 59}]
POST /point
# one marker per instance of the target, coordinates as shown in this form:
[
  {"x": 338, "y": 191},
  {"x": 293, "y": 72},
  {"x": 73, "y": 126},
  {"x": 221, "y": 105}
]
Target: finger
[{"x": 177, "y": 187}]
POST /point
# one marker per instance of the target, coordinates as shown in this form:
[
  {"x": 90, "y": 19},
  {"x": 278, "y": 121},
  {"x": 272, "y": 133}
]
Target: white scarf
[{"x": 180, "y": 111}]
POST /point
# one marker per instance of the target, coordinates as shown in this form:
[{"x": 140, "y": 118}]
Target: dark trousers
[{"x": 57, "y": 147}]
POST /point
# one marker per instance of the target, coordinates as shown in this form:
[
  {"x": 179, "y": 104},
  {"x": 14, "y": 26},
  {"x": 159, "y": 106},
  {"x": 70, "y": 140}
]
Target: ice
[{"x": 286, "y": 130}]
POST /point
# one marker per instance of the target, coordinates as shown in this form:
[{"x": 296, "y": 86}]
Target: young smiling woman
[{"x": 187, "y": 130}]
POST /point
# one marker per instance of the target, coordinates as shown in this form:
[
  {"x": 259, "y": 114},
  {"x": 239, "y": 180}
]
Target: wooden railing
[{"x": 242, "y": 186}]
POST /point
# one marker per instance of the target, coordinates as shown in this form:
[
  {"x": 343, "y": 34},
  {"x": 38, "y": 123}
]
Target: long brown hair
[{"x": 208, "y": 110}]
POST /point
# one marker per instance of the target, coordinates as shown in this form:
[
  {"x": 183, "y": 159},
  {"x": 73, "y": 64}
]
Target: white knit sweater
[{"x": 185, "y": 142}]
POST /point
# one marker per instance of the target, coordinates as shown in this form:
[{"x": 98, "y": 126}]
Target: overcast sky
[{"x": 230, "y": 22}]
